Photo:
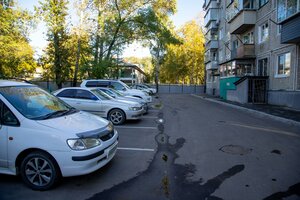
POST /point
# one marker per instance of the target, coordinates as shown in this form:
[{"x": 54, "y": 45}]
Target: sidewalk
[{"x": 279, "y": 112}]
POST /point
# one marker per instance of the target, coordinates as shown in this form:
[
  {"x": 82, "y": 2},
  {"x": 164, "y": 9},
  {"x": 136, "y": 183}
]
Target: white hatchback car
[{"x": 42, "y": 138}]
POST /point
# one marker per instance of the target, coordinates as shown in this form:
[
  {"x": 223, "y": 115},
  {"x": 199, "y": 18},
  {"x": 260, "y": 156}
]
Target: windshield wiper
[{"x": 54, "y": 114}]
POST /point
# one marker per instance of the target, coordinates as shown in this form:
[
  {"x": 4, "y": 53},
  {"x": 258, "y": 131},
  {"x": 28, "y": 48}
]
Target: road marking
[
  {"x": 137, "y": 127},
  {"x": 267, "y": 130},
  {"x": 135, "y": 149},
  {"x": 149, "y": 117}
]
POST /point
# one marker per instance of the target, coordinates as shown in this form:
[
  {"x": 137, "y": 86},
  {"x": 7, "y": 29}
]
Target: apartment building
[{"x": 253, "y": 50}]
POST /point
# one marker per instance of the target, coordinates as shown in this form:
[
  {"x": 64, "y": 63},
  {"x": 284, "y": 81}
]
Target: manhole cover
[{"x": 235, "y": 149}]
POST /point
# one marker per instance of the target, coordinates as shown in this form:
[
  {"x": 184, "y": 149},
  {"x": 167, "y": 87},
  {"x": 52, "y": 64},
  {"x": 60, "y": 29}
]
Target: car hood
[
  {"x": 131, "y": 98},
  {"x": 129, "y": 102},
  {"x": 135, "y": 92},
  {"x": 75, "y": 123}
]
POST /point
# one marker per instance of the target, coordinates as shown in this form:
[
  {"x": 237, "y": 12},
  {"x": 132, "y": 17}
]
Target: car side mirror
[{"x": 124, "y": 89}]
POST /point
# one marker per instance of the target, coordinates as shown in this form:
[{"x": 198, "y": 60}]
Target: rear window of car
[
  {"x": 67, "y": 93},
  {"x": 83, "y": 94},
  {"x": 96, "y": 84}
]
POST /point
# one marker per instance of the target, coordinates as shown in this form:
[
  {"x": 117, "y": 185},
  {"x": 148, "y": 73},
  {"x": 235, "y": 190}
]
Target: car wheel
[
  {"x": 116, "y": 116},
  {"x": 39, "y": 171}
]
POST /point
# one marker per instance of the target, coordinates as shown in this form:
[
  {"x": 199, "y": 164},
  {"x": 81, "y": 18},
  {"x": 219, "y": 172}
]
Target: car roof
[
  {"x": 8, "y": 83},
  {"x": 79, "y": 88}
]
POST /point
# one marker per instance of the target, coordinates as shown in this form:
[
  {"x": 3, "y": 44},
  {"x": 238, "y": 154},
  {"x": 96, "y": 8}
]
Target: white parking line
[
  {"x": 135, "y": 149},
  {"x": 137, "y": 127},
  {"x": 149, "y": 117},
  {"x": 267, "y": 130}
]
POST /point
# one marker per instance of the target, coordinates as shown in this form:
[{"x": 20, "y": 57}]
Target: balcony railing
[
  {"x": 212, "y": 44},
  {"x": 237, "y": 6},
  {"x": 242, "y": 22},
  {"x": 211, "y": 65},
  {"x": 243, "y": 51},
  {"x": 211, "y": 15}
]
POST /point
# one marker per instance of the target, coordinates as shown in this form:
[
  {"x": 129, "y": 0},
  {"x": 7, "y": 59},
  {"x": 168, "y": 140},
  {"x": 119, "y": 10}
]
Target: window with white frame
[
  {"x": 284, "y": 64},
  {"x": 263, "y": 32}
]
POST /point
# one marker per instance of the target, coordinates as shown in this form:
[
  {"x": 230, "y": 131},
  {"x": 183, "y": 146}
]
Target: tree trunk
[
  {"x": 77, "y": 62},
  {"x": 57, "y": 61}
]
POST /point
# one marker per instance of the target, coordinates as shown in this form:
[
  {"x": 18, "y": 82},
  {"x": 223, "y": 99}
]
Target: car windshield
[
  {"x": 35, "y": 103},
  {"x": 126, "y": 86},
  {"x": 101, "y": 95}
]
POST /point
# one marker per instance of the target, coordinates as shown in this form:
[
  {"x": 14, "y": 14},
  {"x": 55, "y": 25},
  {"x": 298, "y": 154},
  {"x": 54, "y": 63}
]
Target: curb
[{"x": 260, "y": 113}]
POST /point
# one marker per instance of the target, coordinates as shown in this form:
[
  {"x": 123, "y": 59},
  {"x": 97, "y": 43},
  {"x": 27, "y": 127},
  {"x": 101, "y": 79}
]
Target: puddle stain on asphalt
[
  {"x": 293, "y": 190},
  {"x": 276, "y": 151},
  {"x": 166, "y": 180}
]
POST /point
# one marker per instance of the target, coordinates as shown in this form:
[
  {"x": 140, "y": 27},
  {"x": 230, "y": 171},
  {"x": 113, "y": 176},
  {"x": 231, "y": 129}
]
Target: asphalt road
[{"x": 187, "y": 148}]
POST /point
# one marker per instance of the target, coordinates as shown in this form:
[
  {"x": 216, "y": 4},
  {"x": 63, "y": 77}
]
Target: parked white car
[
  {"x": 119, "y": 96},
  {"x": 42, "y": 138},
  {"x": 94, "y": 101},
  {"x": 117, "y": 85},
  {"x": 145, "y": 88}
]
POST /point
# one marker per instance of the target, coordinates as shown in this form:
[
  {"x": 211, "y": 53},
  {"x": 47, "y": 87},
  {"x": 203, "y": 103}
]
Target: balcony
[
  {"x": 211, "y": 15},
  {"x": 211, "y": 65},
  {"x": 244, "y": 51},
  {"x": 210, "y": 4},
  {"x": 290, "y": 30},
  {"x": 210, "y": 56},
  {"x": 243, "y": 21},
  {"x": 212, "y": 26},
  {"x": 212, "y": 44}
]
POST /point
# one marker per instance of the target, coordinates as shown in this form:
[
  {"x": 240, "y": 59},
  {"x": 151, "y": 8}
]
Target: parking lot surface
[{"x": 188, "y": 148}]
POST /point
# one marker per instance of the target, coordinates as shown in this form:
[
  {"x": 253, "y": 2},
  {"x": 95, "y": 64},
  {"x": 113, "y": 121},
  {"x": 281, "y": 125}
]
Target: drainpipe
[{"x": 296, "y": 64}]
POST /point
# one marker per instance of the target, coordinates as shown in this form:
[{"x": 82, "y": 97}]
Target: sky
[{"x": 186, "y": 10}]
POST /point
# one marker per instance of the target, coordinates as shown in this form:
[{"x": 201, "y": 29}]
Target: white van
[
  {"x": 117, "y": 85},
  {"x": 42, "y": 138}
]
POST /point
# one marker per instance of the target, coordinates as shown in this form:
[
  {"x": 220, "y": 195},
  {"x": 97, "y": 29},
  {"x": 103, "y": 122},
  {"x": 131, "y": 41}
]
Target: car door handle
[{"x": 78, "y": 103}]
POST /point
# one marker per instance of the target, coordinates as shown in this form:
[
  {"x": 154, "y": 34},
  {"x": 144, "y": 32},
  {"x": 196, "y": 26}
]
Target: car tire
[
  {"x": 39, "y": 171},
  {"x": 116, "y": 116}
]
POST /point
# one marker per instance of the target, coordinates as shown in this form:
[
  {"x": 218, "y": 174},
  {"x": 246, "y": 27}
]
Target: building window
[
  {"x": 263, "y": 32},
  {"x": 286, "y": 8},
  {"x": 221, "y": 33},
  {"x": 262, "y": 2},
  {"x": 248, "y": 38},
  {"x": 284, "y": 64},
  {"x": 262, "y": 69}
]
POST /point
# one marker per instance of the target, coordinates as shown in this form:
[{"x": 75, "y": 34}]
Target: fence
[
  {"x": 162, "y": 88},
  {"x": 180, "y": 89}
]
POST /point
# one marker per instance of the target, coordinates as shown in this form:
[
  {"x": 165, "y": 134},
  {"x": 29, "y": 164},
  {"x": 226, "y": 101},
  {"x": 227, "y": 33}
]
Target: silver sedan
[
  {"x": 119, "y": 96},
  {"x": 94, "y": 101}
]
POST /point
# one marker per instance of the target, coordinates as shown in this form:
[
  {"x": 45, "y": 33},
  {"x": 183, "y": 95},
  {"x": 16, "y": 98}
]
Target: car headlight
[
  {"x": 110, "y": 127},
  {"x": 134, "y": 108},
  {"x": 84, "y": 143}
]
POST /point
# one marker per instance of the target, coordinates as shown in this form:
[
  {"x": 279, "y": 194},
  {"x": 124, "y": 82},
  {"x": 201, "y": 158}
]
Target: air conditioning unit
[
  {"x": 218, "y": 1},
  {"x": 218, "y": 22}
]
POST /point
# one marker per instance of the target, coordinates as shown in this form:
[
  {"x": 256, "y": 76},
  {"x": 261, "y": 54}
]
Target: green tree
[
  {"x": 54, "y": 13},
  {"x": 184, "y": 63},
  {"x": 120, "y": 22},
  {"x": 16, "y": 55}
]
